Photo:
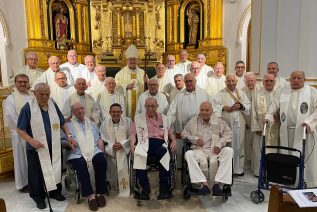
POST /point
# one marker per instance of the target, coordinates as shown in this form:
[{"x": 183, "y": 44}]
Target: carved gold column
[{"x": 6, "y": 155}]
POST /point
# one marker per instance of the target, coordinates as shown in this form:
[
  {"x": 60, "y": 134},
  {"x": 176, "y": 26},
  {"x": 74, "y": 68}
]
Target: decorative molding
[
  {"x": 245, "y": 13},
  {"x": 5, "y": 29}
]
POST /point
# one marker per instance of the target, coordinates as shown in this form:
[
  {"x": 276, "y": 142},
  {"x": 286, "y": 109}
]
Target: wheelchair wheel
[
  {"x": 224, "y": 198},
  {"x": 257, "y": 196},
  {"x": 186, "y": 194}
]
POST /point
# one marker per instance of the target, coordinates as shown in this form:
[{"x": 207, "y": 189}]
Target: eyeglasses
[
  {"x": 61, "y": 78},
  {"x": 20, "y": 82},
  {"x": 35, "y": 59},
  {"x": 187, "y": 81}
]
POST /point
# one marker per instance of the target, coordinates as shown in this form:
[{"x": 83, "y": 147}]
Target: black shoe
[
  {"x": 25, "y": 189},
  {"x": 93, "y": 205},
  {"x": 216, "y": 191},
  {"x": 145, "y": 193},
  {"x": 101, "y": 201},
  {"x": 204, "y": 190},
  {"x": 226, "y": 190},
  {"x": 41, "y": 205},
  {"x": 239, "y": 175},
  {"x": 57, "y": 197}
]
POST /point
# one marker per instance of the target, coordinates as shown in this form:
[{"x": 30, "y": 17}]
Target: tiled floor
[{"x": 239, "y": 202}]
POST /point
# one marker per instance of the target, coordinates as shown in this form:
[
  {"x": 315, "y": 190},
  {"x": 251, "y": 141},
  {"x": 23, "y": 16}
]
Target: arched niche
[
  {"x": 4, "y": 41},
  {"x": 185, "y": 5},
  {"x": 70, "y": 14}
]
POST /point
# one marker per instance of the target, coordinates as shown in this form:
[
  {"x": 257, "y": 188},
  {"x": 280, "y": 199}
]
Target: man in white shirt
[
  {"x": 295, "y": 105},
  {"x": 205, "y": 69},
  {"x": 30, "y": 69},
  {"x": 48, "y": 76},
  {"x": 171, "y": 69},
  {"x": 152, "y": 92},
  {"x": 272, "y": 68},
  {"x": 217, "y": 81},
  {"x": 209, "y": 136},
  {"x": 98, "y": 83},
  {"x": 89, "y": 72},
  {"x": 12, "y": 108},
  {"x": 240, "y": 71},
  {"x": 161, "y": 76},
  {"x": 184, "y": 64},
  {"x": 201, "y": 78},
  {"x": 109, "y": 96},
  {"x": 76, "y": 69}
]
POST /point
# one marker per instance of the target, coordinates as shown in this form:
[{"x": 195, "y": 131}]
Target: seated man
[
  {"x": 88, "y": 149},
  {"x": 153, "y": 131},
  {"x": 115, "y": 131},
  {"x": 209, "y": 136}
]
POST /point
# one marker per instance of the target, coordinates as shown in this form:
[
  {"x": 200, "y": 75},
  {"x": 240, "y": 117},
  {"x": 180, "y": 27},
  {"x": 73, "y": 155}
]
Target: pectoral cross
[{"x": 123, "y": 183}]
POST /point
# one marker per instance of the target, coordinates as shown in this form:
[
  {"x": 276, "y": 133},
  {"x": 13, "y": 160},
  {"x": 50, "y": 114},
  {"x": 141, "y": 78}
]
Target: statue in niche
[
  {"x": 193, "y": 21},
  {"x": 61, "y": 29},
  {"x": 128, "y": 25}
]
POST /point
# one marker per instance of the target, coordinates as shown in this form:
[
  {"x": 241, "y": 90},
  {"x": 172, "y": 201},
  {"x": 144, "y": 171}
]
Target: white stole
[
  {"x": 88, "y": 104},
  {"x": 122, "y": 133},
  {"x": 51, "y": 170},
  {"x": 19, "y": 100},
  {"x": 140, "y": 153},
  {"x": 303, "y": 111}
]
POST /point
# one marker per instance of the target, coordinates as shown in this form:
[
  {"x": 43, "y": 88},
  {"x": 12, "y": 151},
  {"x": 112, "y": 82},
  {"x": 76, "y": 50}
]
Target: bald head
[
  {"x": 190, "y": 82},
  {"x": 90, "y": 62},
  {"x": 205, "y": 111},
  {"x": 72, "y": 57},
  {"x": 101, "y": 72},
  {"x": 201, "y": 58},
  {"x": 297, "y": 80},
  {"x": 183, "y": 55},
  {"x": 195, "y": 68},
  {"x": 231, "y": 81},
  {"x": 54, "y": 63}
]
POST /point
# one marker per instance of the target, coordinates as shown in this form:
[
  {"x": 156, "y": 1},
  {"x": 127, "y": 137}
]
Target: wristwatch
[{"x": 69, "y": 136}]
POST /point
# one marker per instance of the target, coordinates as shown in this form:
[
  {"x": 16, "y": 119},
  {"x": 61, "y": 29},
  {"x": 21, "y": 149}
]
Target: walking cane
[{"x": 46, "y": 193}]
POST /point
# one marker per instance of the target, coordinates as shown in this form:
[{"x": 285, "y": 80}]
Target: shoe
[
  {"x": 145, "y": 193},
  {"x": 41, "y": 205},
  {"x": 204, "y": 190},
  {"x": 239, "y": 175},
  {"x": 25, "y": 189},
  {"x": 101, "y": 201},
  {"x": 57, "y": 197},
  {"x": 93, "y": 204},
  {"x": 165, "y": 193},
  {"x": 226, "y": 190},
  {"x": 216, "y": 191}
]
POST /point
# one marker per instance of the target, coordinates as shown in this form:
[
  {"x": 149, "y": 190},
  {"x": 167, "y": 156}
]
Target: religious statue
[
  {"x": 193, "y": 21},
  {"x": 127, "y": 26},
  {"x": 61, "y": 29}
]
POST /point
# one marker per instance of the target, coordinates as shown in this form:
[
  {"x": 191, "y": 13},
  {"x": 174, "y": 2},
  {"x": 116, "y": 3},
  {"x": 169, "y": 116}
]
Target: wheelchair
[
  {"x": 72, "y": 183},
  {"x": 152, "y": 165},
  {"x": 193, "y": 188}
]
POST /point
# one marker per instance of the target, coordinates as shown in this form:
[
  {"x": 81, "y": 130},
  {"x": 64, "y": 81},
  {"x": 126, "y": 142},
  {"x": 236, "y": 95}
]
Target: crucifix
[{"x": 123, "y": 183}]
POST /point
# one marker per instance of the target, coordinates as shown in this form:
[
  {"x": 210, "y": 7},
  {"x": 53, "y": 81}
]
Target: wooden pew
[{"x": 280, "y": 202}]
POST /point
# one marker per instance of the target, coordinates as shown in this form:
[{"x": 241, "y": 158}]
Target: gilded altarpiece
[
  {"x": 209, "y": 15},
  {"x": 117, "y": 24},
  {"x": 41, "y": 28}
]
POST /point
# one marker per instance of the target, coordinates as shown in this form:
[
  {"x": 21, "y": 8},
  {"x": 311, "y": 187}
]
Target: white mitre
[{"x": 132, "y": 51}]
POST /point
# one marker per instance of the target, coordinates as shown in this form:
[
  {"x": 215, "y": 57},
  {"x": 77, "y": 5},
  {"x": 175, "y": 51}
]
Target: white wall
[
  {"x": 13, "y": 12},
  {"x": 285, "y": 32},
  {"x": 233, "y": 19}
]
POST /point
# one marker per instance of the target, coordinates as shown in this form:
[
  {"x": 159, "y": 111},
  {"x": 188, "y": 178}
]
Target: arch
[
  {"x": 242, "y": 36},
  {"x": 4, "y": 41},
  {"x": 182, "y": 18}
]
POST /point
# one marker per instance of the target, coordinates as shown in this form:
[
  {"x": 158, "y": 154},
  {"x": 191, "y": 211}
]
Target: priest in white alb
[
  {"x": 115, "y": 132},
  {"x": 152, "y": 92},
  {"x": 48, "y": 76},
  {"x": 281, "y": 83},
  {"x": 92, "y": 109},
  {"x": 131, "y": 80},
  {"x": 30, "y": 69},
  {"x": 109, "y": 96},
  {"x": 87, "y": 157},
  {"x": 183, "y": 65},
  {"x": 205, "y": 69},
  {"x": 161, "y": 76},
  {"x": 209, "y": 136},
  {"x": 12, "y": 108},
  {"x": 89, "y": 73},
  {"x": 217, "y": 81},
  {"x": 202, "y": 80},
  {"x": 97, "y": 84},
  {"x": 230, "y": 104},
  {"x": 39, "y": 124},
  {"x": 61, "y": 91},
  {"x": 295, "y": 105},
  {"x": 240, "y": 71},
  {"x": 76, "y": 69},
  {"x": 261, "y": 102},
  {"x": 171, "y": 68}
]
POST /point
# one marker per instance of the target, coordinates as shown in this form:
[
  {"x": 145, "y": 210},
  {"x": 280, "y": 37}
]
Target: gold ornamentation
[
  {"x": 55, "y": 126},
  {"x": 123, "y": 183}
]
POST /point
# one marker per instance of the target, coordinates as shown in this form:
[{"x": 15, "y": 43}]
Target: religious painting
[
  {"x": 192, "y": 24},
  {"x": 61, "y": 24}
]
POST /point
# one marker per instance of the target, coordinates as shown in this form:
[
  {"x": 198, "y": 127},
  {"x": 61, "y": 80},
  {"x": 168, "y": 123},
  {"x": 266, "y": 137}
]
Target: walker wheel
[
  {"x": 224, "y": 198},
  {"x": 257, "y": 196},
  {"x": 186, "y": 194}
]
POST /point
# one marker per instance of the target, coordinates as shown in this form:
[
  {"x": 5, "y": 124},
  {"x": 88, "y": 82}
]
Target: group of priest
[{"x": 79, "y": 97}]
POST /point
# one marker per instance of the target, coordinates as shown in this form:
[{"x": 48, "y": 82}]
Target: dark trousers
[
  {"x": 35, "y": 178},
  {"x": 100, "y": 167},
  {"x": 157, "y": 150}
]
